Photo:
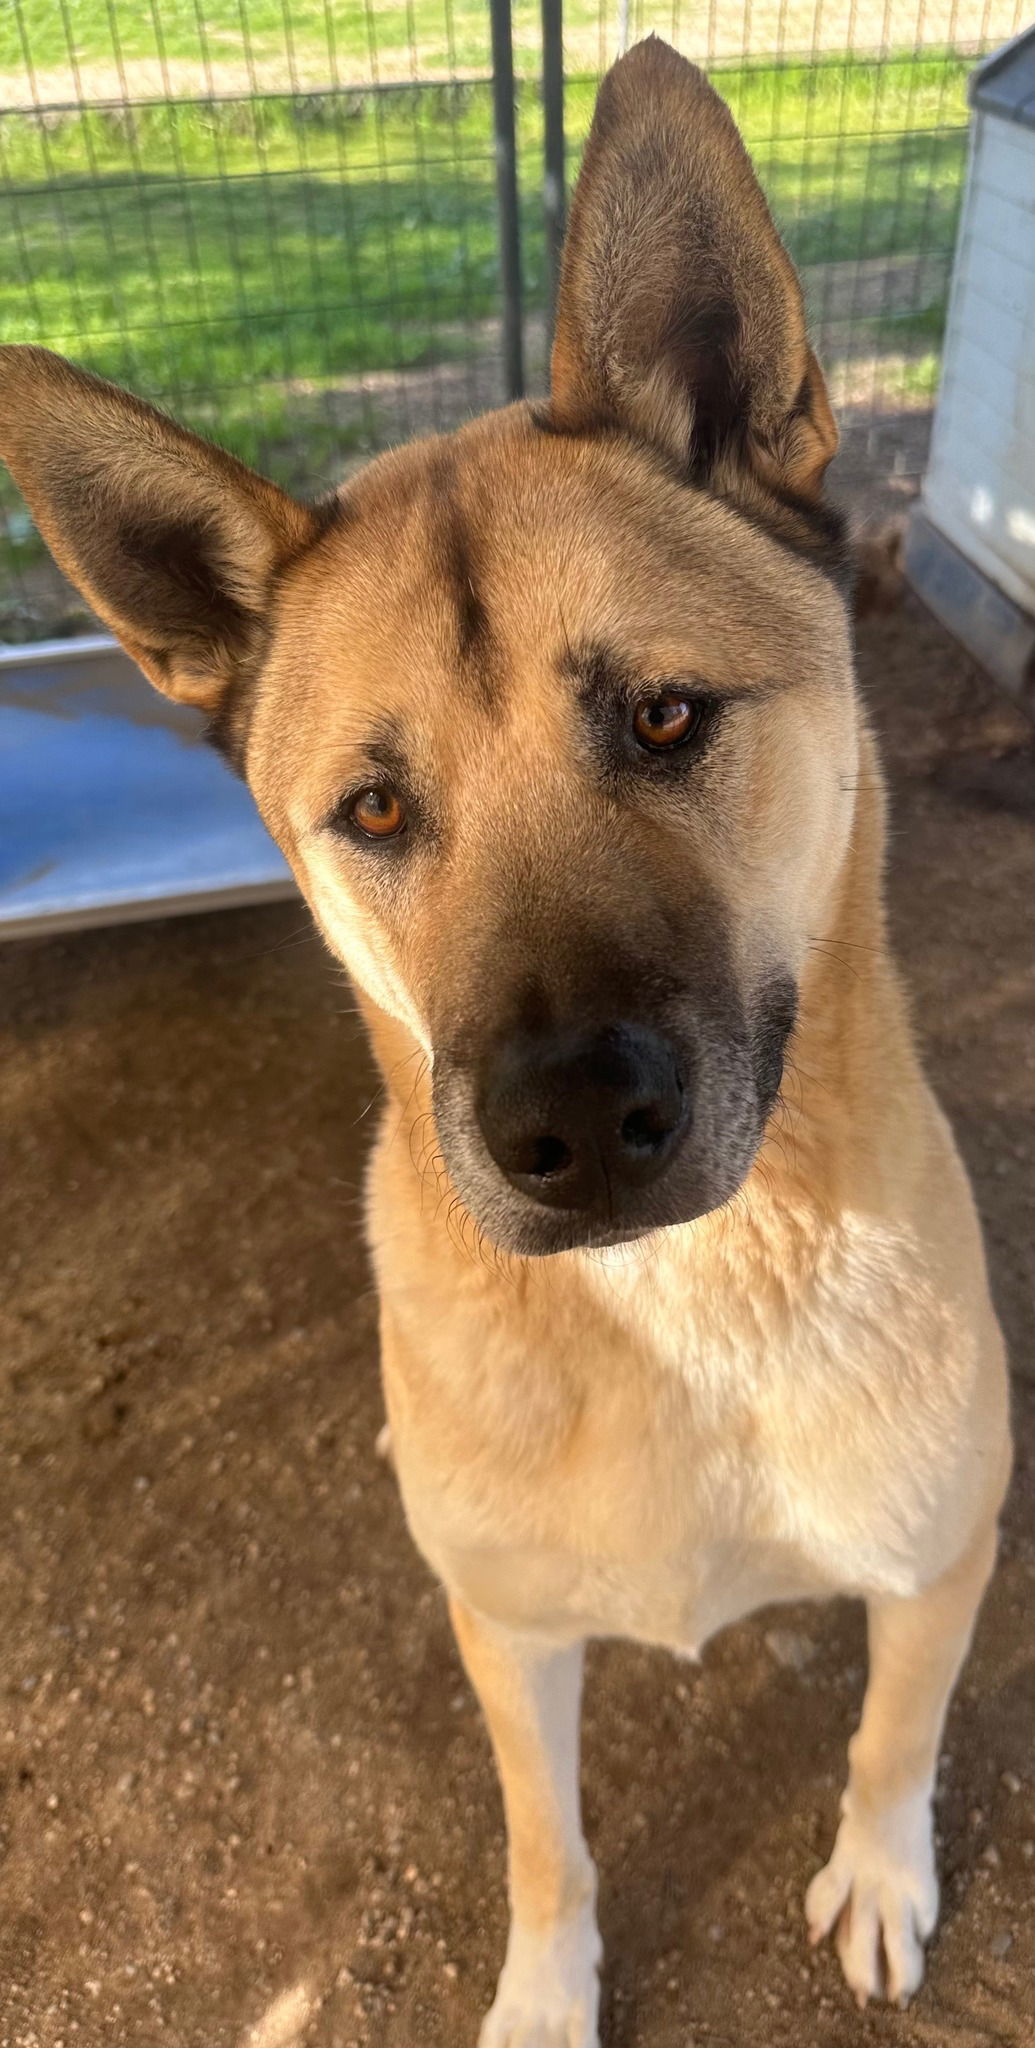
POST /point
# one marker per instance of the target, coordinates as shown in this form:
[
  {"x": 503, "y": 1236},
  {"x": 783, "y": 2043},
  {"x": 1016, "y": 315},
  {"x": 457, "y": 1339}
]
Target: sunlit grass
[
  {"x": 318, "y": 42},
  {"x": 240, "y": 262}
]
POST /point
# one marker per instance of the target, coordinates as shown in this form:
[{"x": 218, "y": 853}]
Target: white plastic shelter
[{"x": 971, "y": 547}]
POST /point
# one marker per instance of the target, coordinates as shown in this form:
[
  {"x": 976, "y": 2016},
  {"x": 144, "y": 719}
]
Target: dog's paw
[
  {"x": 531, "y": 2022},
  {"x": 549, "y": 1994},
  {"x": 880, "y": 1891}
]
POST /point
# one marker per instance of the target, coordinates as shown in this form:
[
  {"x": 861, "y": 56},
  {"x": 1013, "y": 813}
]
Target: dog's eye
[
  {"x": 377, "y": 812},
  {"x": 668, "y": 719}
]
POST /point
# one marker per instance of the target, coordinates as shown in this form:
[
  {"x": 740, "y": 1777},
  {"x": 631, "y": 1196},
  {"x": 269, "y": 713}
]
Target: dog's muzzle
[
  {"x": 580, "y": 1121},
  {"x": 560, "y": 1133}
]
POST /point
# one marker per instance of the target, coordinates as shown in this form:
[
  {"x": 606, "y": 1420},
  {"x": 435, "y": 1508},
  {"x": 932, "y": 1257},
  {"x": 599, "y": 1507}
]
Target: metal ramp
[{"x": 112, "y": 807}]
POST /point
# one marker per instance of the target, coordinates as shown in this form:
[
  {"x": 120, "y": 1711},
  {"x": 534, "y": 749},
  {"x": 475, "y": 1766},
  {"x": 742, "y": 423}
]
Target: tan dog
[{"x": 555, "y": 720}]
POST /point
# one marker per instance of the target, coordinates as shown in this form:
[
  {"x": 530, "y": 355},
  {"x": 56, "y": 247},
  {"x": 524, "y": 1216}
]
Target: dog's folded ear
[
  {"x": 680, "y": 315},
  {"x": 174, "y": 543}
]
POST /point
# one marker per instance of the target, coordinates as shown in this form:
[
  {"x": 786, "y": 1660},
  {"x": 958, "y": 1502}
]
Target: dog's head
[{"x": 552, "y": 717}]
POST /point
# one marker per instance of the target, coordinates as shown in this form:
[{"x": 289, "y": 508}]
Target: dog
[{"x": 683, "y": 1299}]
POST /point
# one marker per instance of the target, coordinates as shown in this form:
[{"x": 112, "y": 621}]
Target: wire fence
[{"x": 280, "y": 218}]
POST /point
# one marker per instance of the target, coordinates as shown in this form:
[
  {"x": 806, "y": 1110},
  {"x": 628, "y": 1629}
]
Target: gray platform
[
  {"x": 112, "y": 806},
  {"x": 999, "y": 635}
]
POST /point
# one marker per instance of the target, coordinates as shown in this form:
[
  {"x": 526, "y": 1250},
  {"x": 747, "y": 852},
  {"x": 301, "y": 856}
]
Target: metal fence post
[
  {"x": 507, "y": 196},
  {"x": 554, "y": 196}
]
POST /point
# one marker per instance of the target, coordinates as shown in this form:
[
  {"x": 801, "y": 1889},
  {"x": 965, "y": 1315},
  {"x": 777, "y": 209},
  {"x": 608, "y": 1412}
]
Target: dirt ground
[{"x": 246, "y": 1798}]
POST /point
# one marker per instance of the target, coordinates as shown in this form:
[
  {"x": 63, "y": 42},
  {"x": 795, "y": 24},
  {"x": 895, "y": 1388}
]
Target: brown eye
[
  {"x": 377, "y": 812},
  {"x": 667, "y": 719}
]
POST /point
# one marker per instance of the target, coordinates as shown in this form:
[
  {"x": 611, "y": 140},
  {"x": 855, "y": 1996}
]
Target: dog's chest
[
  {"x": 717, "y": 1461},
  {"x": 664, "y": 1535},
  {"x": 678, "y": 1600},
  {"x": 656, "y": 1546}
]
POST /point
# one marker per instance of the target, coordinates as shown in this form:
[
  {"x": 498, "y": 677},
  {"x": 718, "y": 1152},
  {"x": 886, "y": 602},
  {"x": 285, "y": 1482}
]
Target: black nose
[{"x": 579, "y": 1120}]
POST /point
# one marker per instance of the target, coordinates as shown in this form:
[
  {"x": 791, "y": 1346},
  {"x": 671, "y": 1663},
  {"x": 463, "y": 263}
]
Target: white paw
[
  {"x": 548, "y": 1993},
  {"x": 880, "y": 1890},
  {"x": 383, "y": 1443}
]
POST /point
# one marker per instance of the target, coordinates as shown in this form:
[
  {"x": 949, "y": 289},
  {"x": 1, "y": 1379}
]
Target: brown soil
[{"x": 246, "y": 1797}]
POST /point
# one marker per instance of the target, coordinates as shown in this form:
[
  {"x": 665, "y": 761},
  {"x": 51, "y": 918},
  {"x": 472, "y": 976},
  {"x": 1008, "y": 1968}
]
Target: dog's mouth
[
  {"x": 594, "y": 1137},
  {"x": 532, "y": 1222}
]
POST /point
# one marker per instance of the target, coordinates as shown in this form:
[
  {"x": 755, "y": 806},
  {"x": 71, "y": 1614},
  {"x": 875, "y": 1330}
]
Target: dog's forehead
[
  {"x": 460, "y": 570},
  {"x": 427, "y": 537}
]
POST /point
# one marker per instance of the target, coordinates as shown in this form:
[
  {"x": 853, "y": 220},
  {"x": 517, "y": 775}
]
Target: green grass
[
  {"x": 320, "y": 41},
  {"x": 237, "y": 261},
  {"x": 325, "y": 39}
]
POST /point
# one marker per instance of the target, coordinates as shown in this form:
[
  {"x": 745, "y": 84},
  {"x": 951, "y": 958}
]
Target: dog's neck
[{"x": 837, "y": 1121}]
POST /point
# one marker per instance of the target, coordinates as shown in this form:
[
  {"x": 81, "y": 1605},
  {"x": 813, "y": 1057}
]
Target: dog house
[{"x": 970, "y": 552}]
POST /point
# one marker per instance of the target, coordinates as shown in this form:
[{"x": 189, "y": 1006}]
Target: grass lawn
[
  {"x": 317, "y": 42},
  {"x": 240, "y": 261}
]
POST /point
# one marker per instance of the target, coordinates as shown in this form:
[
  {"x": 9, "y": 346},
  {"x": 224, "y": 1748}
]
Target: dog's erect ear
[
  {"x": 680, "y": 314},
  {"x": 174, "y": 543}
]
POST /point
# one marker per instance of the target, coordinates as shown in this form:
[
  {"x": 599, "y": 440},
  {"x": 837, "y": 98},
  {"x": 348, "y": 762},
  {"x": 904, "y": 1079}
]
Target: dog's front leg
[
  {"x": 531, "y": 1694},
  {"x": 880, "y": 1887}
]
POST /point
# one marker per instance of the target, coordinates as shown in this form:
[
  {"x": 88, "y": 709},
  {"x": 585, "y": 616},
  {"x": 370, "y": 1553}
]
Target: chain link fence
[{"x": 281, "y": 218}]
